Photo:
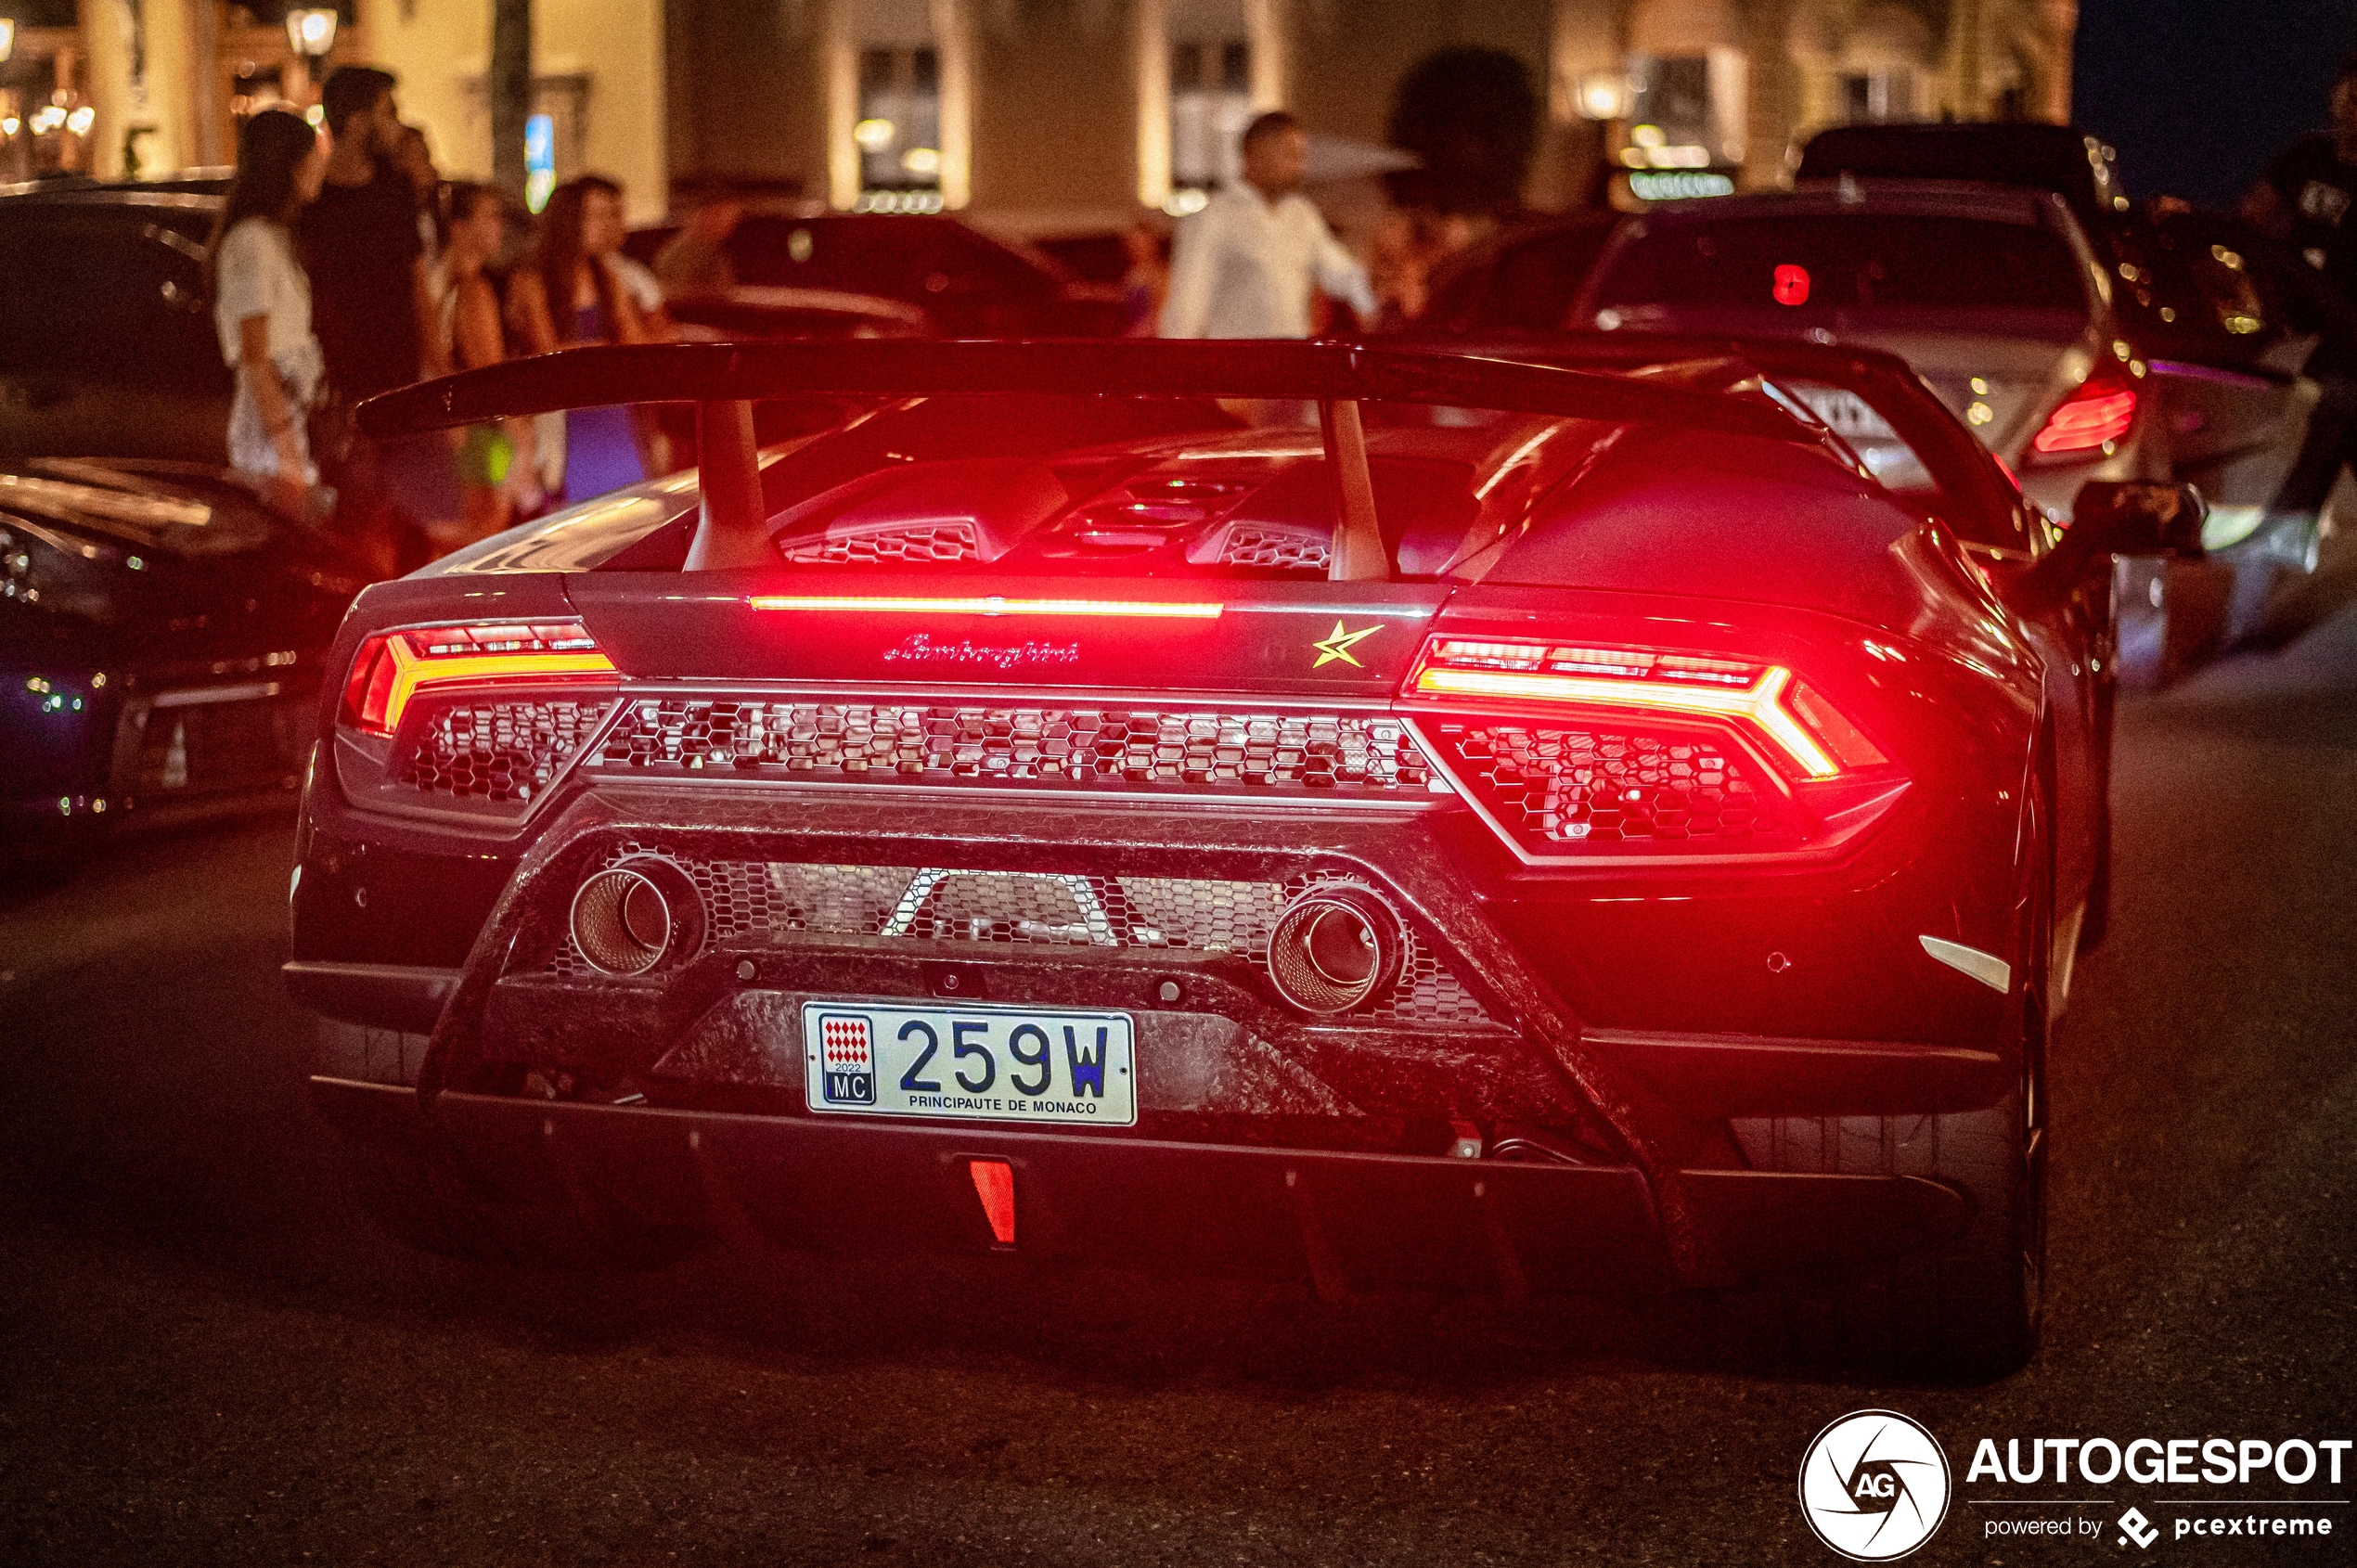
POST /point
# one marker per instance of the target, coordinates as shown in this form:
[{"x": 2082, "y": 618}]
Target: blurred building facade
[
  {"x": 1022, "y": 107},
  {"x": 1037, "y": 112}
]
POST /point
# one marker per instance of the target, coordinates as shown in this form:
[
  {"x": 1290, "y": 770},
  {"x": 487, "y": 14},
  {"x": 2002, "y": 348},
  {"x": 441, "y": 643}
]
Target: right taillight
[
  {"x": 1579, "y": 748},
  {"x": 1805, "y": 733},
  {"x": 2095, "y": 418}
]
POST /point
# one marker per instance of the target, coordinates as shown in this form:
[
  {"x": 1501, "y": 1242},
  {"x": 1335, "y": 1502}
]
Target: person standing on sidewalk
[
  {"x": 262, "y": 305},
  {"x": 1245, "y": 266},
  {"x": 369, "y": 294},
  {"x": 567, "y": 294},
  {"x": 497, "y": 463}
]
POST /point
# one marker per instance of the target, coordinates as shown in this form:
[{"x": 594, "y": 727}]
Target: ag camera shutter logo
[{"x": 1874, "y": 1486}]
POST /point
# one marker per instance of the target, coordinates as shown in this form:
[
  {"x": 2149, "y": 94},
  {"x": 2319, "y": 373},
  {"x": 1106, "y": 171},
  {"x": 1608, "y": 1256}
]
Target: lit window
[
  {"x": 1687, "y": 111},
  {"x": 1210, "y": 106},
  {"x": 899, "y": 125}
]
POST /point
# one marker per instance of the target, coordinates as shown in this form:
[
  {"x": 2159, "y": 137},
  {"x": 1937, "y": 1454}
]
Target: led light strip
[
  {"x": 993, "y": 605},
  {"x": 1759, "y": 703},
  {"x": 411, "y": 673}
]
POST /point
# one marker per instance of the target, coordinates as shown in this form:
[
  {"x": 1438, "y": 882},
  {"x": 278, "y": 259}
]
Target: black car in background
[
  {"x": 970, "y": 284},
  {"x": 2063, "y": 159},
  {"x": 1522, "y": 280},
  {"x": 161, "y": 634},
  {"x": 107, "y": 343}
]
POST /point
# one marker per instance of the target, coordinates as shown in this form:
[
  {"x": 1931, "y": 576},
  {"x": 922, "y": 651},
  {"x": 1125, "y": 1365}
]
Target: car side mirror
[{"x": 2136, "y": 518}]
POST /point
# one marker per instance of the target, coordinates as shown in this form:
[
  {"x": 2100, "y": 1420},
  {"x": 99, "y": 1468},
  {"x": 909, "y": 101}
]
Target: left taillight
[
  {"x": 1806, "y": 735},
  {"x": 476, "y": 720},
  {"x": 392, "y": 669}
]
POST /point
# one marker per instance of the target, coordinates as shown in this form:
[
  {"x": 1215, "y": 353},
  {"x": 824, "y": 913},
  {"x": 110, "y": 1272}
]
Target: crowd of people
[{"x": 344, "y": 266}]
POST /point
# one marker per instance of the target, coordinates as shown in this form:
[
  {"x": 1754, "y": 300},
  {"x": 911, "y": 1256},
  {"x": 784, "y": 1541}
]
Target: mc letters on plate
[{"x": 971, "y": 1064}]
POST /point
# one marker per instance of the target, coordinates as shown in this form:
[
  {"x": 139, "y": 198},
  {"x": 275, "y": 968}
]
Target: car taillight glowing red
[
  {"x": 2101, "y": 411},
  {"x": 393, "y": 667},
  {"x": 1804, "y": 730}
]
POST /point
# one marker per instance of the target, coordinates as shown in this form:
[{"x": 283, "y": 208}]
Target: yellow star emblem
[{"x": 1339, "y": 646}]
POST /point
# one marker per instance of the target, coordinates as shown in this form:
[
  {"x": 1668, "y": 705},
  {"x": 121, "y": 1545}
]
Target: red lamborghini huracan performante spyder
[{"x": 1393, "y": 818}]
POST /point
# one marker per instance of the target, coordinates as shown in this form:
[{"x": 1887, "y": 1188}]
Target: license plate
[
  {"x": 1847, "y": 414},
  {"x": 971, "y": 1064}
]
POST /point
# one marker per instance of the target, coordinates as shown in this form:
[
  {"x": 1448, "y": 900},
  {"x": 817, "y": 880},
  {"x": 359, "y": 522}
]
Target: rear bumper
[
  {"x": 700, "y": 1037},
  {"x": 1339, "y": 1221},
  {"x": 1704, "y": 1075}
]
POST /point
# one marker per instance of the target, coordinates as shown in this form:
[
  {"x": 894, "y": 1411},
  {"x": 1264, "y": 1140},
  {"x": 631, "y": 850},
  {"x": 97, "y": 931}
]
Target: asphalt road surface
[{"x": 207, "y": 1356}]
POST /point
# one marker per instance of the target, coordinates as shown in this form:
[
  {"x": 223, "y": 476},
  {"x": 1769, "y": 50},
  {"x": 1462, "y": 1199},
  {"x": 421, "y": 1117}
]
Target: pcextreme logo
[{"x": 1874, "y": 1486}]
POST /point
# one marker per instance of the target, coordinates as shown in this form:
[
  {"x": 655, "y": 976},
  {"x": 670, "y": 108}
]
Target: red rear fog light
[{"x": 995, "y": 1185}]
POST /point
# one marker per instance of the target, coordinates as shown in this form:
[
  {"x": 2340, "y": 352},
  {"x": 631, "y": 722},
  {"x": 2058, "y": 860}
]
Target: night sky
[{"x": 2199, "y": 95}]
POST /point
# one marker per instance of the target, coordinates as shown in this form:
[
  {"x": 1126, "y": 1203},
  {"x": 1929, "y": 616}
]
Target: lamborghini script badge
[{"x": 1339, "y": 646}]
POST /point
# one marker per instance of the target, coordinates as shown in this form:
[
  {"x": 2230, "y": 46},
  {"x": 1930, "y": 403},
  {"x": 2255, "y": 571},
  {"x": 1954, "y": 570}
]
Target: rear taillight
[
  {"x": 393, "y": 668},
  {"x": 2095, "y": 417},
  {"x": 1804, "y": 734}
]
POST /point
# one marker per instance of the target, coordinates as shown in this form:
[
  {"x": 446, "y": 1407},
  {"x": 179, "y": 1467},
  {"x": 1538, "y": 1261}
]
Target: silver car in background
[{"x": 1997, "y": 299}]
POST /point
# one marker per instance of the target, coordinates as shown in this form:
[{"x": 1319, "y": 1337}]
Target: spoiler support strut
[
  {"x": 1359, "y": 553},
  {"x": 732, "y": 527}
]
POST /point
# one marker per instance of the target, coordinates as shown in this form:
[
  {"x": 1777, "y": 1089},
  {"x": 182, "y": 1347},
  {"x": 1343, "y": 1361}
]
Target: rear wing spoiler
[
  {"x": 725, "y": 380},
  {"x": 1963, "y": 469}
]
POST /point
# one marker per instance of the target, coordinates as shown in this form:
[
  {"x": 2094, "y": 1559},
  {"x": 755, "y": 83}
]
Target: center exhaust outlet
[
  {"x": 1335, "y": 949},
  {"x": 631, "y": 917}
]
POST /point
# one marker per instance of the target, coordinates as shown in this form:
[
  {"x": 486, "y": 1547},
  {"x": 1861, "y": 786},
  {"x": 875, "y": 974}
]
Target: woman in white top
[{"x": 262, "y": 302}]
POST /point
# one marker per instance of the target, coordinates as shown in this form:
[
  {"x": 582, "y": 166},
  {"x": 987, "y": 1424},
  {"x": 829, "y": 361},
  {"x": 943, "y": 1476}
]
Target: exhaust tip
[
  {"x": 629, "y": 918},
  {"x": 1333, "y": 950}
]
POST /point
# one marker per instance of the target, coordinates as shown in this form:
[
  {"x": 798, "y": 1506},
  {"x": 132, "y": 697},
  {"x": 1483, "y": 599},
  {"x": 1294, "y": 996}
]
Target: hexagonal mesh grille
[
  {"x": 754, "y": 902},
  {"x": 1264, "y": 546},
  {"x": 1575, "y": 785},
  {"x": 944, "y": 541},
  {"x": 1078, "y": 748},
  {"x": 494, "y": 752}
]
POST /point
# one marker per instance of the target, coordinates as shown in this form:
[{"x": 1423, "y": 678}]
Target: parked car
[
  {"x": 1526, "y": 828},
  {"x": 2223, "y": 317},
  {"x": 161, "y": 639},
  {"x": 107, "y": 340},
  {"x": 1994, "y": 294},
  {"x": 2229, "y": 316},
  {"x": 967, "y": 283}
]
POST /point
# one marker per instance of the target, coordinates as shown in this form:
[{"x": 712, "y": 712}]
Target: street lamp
[
  {"x": 311, "y": 33},
  {"x": 8, "y": 39}
]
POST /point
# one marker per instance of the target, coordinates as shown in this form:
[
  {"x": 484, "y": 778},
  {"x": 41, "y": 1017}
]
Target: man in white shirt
[{"x": 1243, "y": 267}]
